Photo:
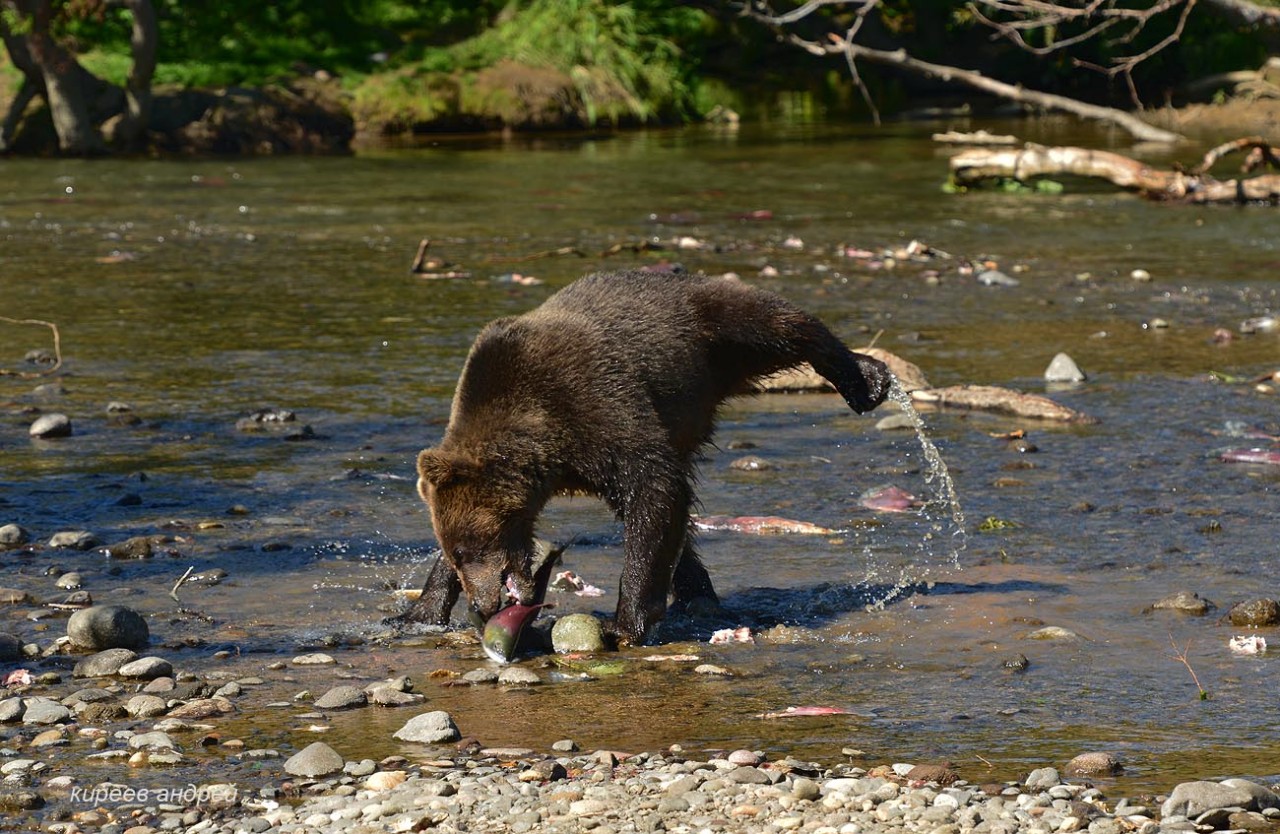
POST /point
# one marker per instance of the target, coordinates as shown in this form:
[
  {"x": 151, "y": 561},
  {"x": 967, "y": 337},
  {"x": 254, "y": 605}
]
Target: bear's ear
[
  {"x": 437, "y": 467},
  {"x": 434, "y": 466}
]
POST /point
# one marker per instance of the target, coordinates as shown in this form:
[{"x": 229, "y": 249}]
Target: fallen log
[
  {"x": 1000, "y": 400},
  {"x": 976, "y": 165}
]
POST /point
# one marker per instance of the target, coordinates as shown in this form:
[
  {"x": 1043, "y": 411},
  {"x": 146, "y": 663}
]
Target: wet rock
[
  {"x": 69, "y": 581},
  {"x": 50, "y": 426},
  {"x": 315, "y": 659},
  {"x": 203, "y": 708},
  {"x": 146, "y": 706},
  {"x": 136, "y": 547},
  {"x": 751, "y": 463},
  {"x": 155, "y": 740},
  {"x": 518, "y": 676},
  {"x": 478, "y": 676},
  {"x": 102, "y": 713},
  {"x": 387, "y": 696},
  {"x": 1094, "y": 764},
  {"x": 11, "y": 710},
  {"x": 1255, "y": 612},
  {"x": 1063, "y": 369},
  {"x": 1184, "y": 602},
  {"x": 577, "y": 633},
  {"x": 11, "y": 536},
  {"x": 44, "y": 711},
  {"x": 108, "y": 627},
  {"x": 1191, "y": 799},
  {"x": 429, "y": 728},
  {"x": 10, "y": 648},
  {"x": 146, "y": 668},
  {"x": 19, "y": 799},
  {"x": 74, "y": 540},
  {"x": 1053, "y": 633},
  {"x": 1042, "y": 778},
  {"x": 342, "y": 697},
  {"x": 14, "y": 596},
  {"x": 996, "y": 278},
  {"x": 277, "y": 421},
  {"x": 314, "y": 760},
  {"x": 1016, "y": 663},
  {"x": 103, "y": 663}
]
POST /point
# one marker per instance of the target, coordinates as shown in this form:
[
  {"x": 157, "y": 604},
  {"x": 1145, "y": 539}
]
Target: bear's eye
[{"x": 462, "y": 555}]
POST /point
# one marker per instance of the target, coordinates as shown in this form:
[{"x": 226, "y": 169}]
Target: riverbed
[{"x": 197, "y": 292}]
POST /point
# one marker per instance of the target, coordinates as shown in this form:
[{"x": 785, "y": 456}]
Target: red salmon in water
[
  {"x": 890, "y": 499},
  {"x": 1268, "y": 456},
  {"x": 759, "y": 525}
]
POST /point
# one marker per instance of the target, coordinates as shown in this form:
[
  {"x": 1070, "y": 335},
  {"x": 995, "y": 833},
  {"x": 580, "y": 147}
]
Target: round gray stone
[
  {"x": 44, "y": 711},
  {"x": 155, "y": 740},
  {"x": 1063, "y": 369},
  {"x": 11, "y": 535},
  {"x": 577, "y": 633},
  {"x": 51, "y": 425},
  {"x": 147, "y": 668},
  {"x": 107, "y": 662},
  {"x": 342, "y": 697},
  {"x": 146, "y": 706},
  {"x": 314, "y": 760},
  {"x": 74, "y": 540},
  {"x": 429, "y": 728},
  {"x": 108, "y": 627},
  {"x": 518, "y": 676}
]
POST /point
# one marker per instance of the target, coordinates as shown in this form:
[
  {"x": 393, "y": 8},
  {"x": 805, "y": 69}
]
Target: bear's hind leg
[{"x": 691, "y": 580}]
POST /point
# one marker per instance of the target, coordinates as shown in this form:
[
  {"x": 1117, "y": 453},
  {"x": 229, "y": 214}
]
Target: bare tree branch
[{"x": 844, "y": 45}]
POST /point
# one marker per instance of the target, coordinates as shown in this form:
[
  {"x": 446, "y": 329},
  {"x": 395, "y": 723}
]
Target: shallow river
[{"x": 200, "y": 291}]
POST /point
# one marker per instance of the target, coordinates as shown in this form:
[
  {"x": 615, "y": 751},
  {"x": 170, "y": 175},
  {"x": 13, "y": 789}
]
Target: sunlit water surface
[{"x": 231, "y": 286}]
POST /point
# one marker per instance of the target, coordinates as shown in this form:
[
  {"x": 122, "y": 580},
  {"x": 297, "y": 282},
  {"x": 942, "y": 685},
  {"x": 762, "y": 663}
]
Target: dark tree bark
[
  {"x": 137, "y": 114},
  {"x": 78, "y": 100}
]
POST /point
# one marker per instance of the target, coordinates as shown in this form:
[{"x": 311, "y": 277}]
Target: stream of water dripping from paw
[{"x": 940, "y": 521}]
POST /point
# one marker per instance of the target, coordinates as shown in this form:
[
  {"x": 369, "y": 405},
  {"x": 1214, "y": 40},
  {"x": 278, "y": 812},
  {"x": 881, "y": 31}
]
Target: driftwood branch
[
  {"x": 57, "y": 350},
  {"x": 973, "y": 166}
]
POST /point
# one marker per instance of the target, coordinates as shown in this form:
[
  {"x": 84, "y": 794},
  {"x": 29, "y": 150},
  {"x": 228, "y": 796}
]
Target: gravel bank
[{"x": 513, "y": 790}]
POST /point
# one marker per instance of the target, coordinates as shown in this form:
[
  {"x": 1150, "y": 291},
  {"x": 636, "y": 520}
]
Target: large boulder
[{"x": 108, "y": 627}]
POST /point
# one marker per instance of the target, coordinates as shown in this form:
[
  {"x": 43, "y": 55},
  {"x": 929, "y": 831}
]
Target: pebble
[
  {"x": 51, "y": 425},
  {"x": 316, "y": 659},
  {"x": 342, "y": 697},
  {"x": 518, "y": 676},
  {"x": 42, "y": 710},
  {"x": 74, "y": 540},
  {"x": 577, "y": 633},
  {"x": 11, "y": 536},
  {"x": 316, "y": 759},
  {"x": 435, "y": 727},
  {"x": 146, "y": 668},
  {"x": 1063, "y": 369}
]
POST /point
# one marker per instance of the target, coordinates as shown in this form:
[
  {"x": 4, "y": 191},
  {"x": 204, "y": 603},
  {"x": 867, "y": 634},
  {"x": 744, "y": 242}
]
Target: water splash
[{"x": 941, "y": 521}]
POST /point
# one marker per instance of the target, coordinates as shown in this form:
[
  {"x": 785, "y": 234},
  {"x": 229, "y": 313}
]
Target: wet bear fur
[{"x": 610, "y": 388}]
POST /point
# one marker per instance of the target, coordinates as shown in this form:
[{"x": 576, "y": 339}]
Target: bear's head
[{"x": 483, "y": 520}]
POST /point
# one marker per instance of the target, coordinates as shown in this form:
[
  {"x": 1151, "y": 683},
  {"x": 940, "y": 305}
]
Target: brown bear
[{"x": 610, "y": 388}]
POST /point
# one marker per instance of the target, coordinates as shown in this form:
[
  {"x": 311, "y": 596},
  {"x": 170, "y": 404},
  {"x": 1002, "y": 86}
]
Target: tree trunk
[
  {"x": 65, "y": 84},
  {"x": 137, "y": 114}
]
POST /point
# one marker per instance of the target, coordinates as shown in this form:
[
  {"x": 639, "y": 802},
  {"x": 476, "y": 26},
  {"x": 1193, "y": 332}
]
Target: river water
[{"x": 199, "y": 291}]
